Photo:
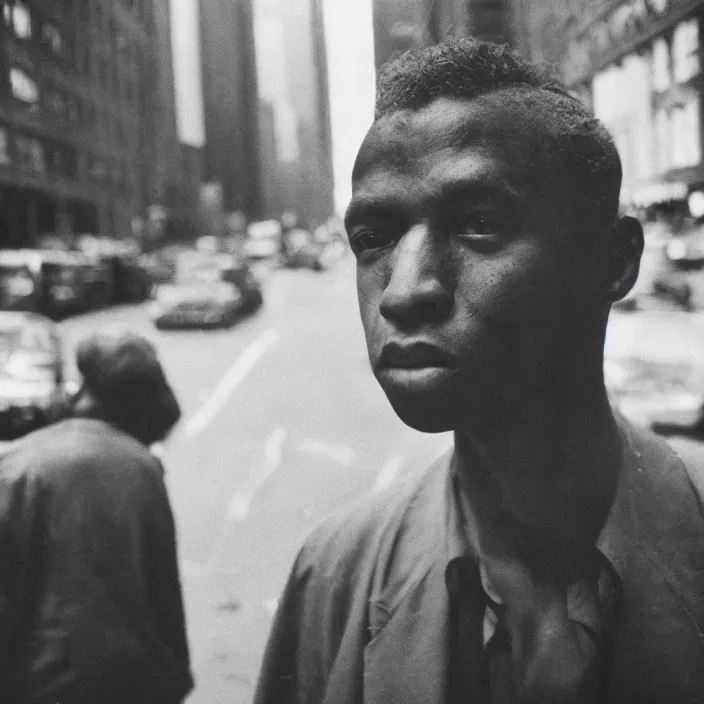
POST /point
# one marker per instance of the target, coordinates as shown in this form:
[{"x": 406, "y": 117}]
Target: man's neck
[{"x": 544, "y": 481}]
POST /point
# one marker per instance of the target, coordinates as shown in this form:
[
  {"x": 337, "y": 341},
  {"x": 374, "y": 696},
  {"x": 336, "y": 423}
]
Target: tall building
[
  {"x": 295, "y": 145},
  {"x": 229, "y": 79},
  {"x": 402, "y": 24},
  {"x": 79, "y": 97},
  {"x": 638, "y": 65}
]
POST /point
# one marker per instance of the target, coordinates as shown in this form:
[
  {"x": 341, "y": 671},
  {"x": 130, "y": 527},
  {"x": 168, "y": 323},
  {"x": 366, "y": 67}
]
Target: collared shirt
[{"x": 476, "y": 607}]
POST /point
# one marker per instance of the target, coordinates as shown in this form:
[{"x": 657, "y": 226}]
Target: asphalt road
[{"x": 283, "y": 424}]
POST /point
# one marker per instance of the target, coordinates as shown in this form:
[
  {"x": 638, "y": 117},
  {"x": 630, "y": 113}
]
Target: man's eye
[
  {"x": 480, "y": 232},
  {"x": 368, "y": 240}
]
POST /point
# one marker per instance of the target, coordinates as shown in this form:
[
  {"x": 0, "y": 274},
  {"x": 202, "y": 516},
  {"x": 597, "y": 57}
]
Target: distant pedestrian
[{"x": 90, "y": 599}]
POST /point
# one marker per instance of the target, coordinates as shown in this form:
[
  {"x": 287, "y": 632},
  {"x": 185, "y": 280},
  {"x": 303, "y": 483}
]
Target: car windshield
[{"x": 196, "y": 269}]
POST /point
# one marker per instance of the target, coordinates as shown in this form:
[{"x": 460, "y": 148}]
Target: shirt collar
[{"x": 611, "y": 542}]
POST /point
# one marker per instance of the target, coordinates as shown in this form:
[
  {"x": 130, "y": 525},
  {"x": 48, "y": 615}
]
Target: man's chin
[{"x": 424, "y": 414}]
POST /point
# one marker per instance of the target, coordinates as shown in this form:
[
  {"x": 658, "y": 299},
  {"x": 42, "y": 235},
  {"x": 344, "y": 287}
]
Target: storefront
[{"x": 639, "y": 63}]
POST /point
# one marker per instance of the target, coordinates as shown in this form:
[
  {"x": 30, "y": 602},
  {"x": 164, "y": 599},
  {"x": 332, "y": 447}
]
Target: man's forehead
[{"x": 448, "y": 129}]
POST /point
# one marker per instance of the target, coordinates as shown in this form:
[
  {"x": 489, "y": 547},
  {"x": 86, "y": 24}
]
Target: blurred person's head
[
  {"x": 124, "y": 384},
  {"x": 489, "y": 245}
]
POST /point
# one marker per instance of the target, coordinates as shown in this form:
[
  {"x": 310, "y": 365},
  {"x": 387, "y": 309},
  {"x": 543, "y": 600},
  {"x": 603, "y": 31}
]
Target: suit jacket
[
  {"x": 90, "y": 599},
  {"x": 364, "y": 616}
]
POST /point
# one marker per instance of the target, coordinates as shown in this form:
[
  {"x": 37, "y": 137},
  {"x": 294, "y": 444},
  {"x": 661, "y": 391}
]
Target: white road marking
[
  {"x": 388, "y": 473},
  {"x": 337, "y": 453},
  {"x": 235, "y": 374},
  {"x": 241, "y": 501}
]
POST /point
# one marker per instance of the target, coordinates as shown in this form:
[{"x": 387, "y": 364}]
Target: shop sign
[{"x": 622, "y": 24}]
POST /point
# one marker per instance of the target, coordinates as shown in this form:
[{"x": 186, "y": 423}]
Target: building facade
[
  {"x": 295, "y": 138},
  {"x": 229, "y": 79},
  {"x": 638, "y": 65},
  {"x": 402, "y": 24},
  {"x": 80, "y": 100}
]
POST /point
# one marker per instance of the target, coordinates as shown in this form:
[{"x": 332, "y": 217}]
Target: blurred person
[
  {"x": 90, "y": 598},
  {"x": 556, "y": 554}
]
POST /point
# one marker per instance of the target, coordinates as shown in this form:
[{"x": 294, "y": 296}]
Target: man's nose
[{"x": 416, "y": 292}]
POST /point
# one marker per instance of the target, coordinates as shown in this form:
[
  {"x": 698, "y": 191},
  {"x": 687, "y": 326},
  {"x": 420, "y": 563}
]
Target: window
[
  {"x": 685, "y": 51},
  {"x": 21, "y": 20},
  {"x": 56, "y": 102},
  {"x": 30, "y": 153},
  {"x": 661, "y": 65},
  {"x": 4, "y": 146},
  {"x": 663, "y": 148},
  {"x": 686, "y": 143},
  {"x": 23, "y": 87},
  {"x": 52, "y": 39}
]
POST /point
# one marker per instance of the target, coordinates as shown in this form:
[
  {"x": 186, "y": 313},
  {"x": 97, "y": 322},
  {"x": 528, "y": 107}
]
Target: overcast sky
[{"x": 350, "y": 46}]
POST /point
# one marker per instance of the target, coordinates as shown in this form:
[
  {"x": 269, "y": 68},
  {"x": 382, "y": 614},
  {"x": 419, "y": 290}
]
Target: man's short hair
[{"x": 469, "y": 68}]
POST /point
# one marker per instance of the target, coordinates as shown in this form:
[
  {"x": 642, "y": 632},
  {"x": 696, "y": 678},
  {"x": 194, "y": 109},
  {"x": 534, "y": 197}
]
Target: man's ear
[{"x": 624, "y": 264}]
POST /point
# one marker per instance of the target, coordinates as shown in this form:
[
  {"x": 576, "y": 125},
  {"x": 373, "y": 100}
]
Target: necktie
[
  {"x": 469, "y": 603},
  {"x": 550, "y": 648}
]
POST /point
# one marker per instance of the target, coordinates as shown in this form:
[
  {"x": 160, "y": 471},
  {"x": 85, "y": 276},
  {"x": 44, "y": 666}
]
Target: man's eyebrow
[
  {"x": 362, "y": 206},
  {"x": 478, "y": 188}
]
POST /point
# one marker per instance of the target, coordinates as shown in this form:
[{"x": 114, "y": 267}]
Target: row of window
[
  {"x": 62, "y": 104},
  {"x": 651, "y": 102},
  {"x": 97, "y": 58},
  {"x": 49, "y": 157},
  {"x": 676, "y": 57},
  {"x": 25, "y": 22}
]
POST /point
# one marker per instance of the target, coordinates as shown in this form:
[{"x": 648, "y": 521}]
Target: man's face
[{"x": 474, "y": 286}]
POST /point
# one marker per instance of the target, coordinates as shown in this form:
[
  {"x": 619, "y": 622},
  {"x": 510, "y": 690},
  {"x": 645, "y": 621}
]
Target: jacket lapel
[{"x": 407, "y": 661}]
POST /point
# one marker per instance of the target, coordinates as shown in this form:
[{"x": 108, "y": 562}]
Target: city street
[{"x": 283, "y": 424}]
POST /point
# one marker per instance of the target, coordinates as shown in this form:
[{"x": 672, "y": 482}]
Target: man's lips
[{"x": 415, "y": 355}]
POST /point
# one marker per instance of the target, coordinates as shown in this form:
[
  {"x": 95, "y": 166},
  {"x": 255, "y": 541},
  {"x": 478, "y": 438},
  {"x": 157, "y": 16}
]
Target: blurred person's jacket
[{"x": 90, "y": 598}]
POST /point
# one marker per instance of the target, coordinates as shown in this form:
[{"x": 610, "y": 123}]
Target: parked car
[
  {"x": 302, "y": 251},
  {"x": 263, "y": 239},
  {"x": 654, "y": 370},
  {"x": 72, "y": 282},
  {"x": 208, "y": 291},
  {"x": 666, "y": 396},
  {"x": 117, "y": 263},
  {"x": 54, "y": 283},
  {"x": 686, "y": 251},
  {"x": 234, "y": 270},
  {"x": 33, "y": 388}
]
